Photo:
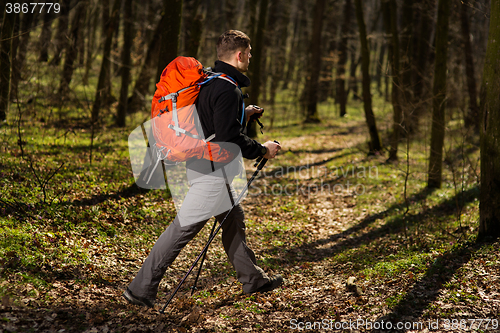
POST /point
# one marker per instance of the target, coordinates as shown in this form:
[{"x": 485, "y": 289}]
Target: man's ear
[{"x": 239, "y": 56}]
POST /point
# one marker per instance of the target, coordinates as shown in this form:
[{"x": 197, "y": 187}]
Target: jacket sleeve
[{"x": 227, "y": 125}]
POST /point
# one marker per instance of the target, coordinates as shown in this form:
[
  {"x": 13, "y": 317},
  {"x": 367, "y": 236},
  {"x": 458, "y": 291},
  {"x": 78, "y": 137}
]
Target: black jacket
[{"x": 220, "y": 109}]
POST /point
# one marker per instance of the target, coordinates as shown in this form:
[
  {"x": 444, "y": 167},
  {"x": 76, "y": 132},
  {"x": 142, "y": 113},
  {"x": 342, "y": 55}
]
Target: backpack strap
[{"x": 229, "y": 79}]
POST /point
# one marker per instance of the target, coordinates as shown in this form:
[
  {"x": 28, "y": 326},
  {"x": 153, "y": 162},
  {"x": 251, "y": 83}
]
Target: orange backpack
[{"x": 176, "y": 128}]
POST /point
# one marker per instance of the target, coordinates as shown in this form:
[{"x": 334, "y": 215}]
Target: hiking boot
[
  {"x": 136, "y": 300},
  {"x": 273, "y": 283}
]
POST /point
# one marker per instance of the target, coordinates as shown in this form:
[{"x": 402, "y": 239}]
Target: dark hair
[{"x": 231, "y": 41}]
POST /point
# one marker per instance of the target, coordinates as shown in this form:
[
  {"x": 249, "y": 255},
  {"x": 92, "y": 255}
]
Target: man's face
[{"x": 244, "y": 60}]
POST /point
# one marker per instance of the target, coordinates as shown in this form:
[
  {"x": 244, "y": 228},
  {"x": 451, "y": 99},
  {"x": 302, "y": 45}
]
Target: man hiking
[{"x": 221, "y": 112}]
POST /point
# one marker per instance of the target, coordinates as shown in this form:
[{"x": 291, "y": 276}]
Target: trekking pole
[
  {"x": 193, "y": 288},
  {"x": 261, "y": 162}
]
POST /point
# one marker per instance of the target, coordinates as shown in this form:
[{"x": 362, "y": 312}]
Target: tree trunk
[
  {"x": 15, "y": 46},
  {"x": 92, "y": 29},
  {"x": 279, "y": 24},
  {"x": 26, "y": 24},
  {"x": 5, "y": 62},
  {"x": 353, "y": 81},
  {"x": 193, "y": 28},
  {"x": 128, "y": 37},
  {"x": 325, "y": 89},
  {"x": 340, "y": 81},
  {"x": 72, "y": 49},
  {"x": 252, "y": 19},
  {"x": 45, "y": 37},
  {"x": 257, "y": 56},
  {"x": 390, "y": 10},
  {"x": 472, "y": 118},
  {"x": 61, "y": 39},
  {"x": 312, "y": 83},
  {"x": 365, "y": 68},
  {"x": 169, "y": 40},
  {"x": 105, "y": 65},
  {"x": 147, "y": 71},
  {"x": 292, "y": 54},
  {"x": 107, "y": 94},
  {"x": 380, "y": 65},
  {"x": 489, "y": 210},
  {"x": 406, "y": 63},
  {"x": 439, "y": 96},
  {"x": 421, "y": 79}
]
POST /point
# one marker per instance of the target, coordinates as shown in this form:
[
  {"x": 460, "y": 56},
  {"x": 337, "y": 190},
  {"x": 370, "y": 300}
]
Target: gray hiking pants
[{"x": 207, "y": 194}]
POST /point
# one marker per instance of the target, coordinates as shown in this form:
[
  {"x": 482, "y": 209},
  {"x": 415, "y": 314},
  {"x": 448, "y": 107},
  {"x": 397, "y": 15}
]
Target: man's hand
[
  {"x": 272, "y": 149},
  {"x": 253, "y": 109}
]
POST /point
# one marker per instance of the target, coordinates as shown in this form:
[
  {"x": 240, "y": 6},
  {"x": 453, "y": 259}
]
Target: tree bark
[
  {"x": 25, "y": 29},
  {"x": 439, "y": 96},
  {"x": 147, "y": 71},
  {"x": 353, "y": 81},
  {"x": 472, "y": 118},
  {"x": 128, "y": 37},
  {"x": 15, "y": 46},
  {"x": 406, "y": 66},
  {"x": 312, "y": 83},
  {"x": 278, "y": 23},
  {"x": 100, "y": 95},
  {"x": 61, "y": 39},
  {"x": 341, "y": 94},
  {"x": 72, "y": 49},
  {"x": 291, "y": 58},
  {"x": 169, "y": 40},
  {"x": 193, "y": 28},
  {"x": 325, "y": 89},
  {"x": 5, "y": 62},
  {"x": 390, "y": 10},
  {"x": 256, "y": 62},
  {"x": 375, "y": 145},
  {"x": 426, "y": 10},
  {"x": 45, "y": 36},
  {"x": 92, "y": 29},
  {"x": 489, "y": 210}
]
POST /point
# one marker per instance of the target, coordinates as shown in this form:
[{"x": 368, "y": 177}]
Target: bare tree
[
  {"x": 489, "y": 211},
  {"x": 193, "y": 27},
  {"x": 128, "y": 36},
  {"x": 24, "y": 38},
  {"x": 311, "y": 89},
  {"x": 169, "y": 36},
  {"x": 365, "y": 67},
  {"x": 425, "y": 9},
  {"x": 258, "y": 53},
  {"x": 72, "y": 49},
  {"x": 61, "y": 38},
  {"x": 101, "y": 95},
  {"x": 389, "y": 8},
  {"x": 472, "y": 117},
  {"x": 5, "y": 62},
  {"x": 44, "y": 41},
  {"x": 439, "y": 96},
  {"x": 147, "y": 72},
  {"x": 341, "y": 94}
]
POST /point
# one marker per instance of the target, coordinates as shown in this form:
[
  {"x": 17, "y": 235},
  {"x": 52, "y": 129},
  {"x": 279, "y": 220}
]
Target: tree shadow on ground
[
  {"x": 316, "y": 251},
  {"x": 284, "y": 170},
  {"x": 426, "y": 290}
]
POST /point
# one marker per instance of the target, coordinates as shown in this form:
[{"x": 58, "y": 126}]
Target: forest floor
[{"x": 361, "y": 243}]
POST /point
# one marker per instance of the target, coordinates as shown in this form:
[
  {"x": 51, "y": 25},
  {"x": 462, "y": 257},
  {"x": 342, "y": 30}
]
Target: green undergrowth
[{"x": 68, "y": 197}]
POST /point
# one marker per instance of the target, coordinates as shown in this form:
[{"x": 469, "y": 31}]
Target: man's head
[{"x": 233, "y": 47}]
